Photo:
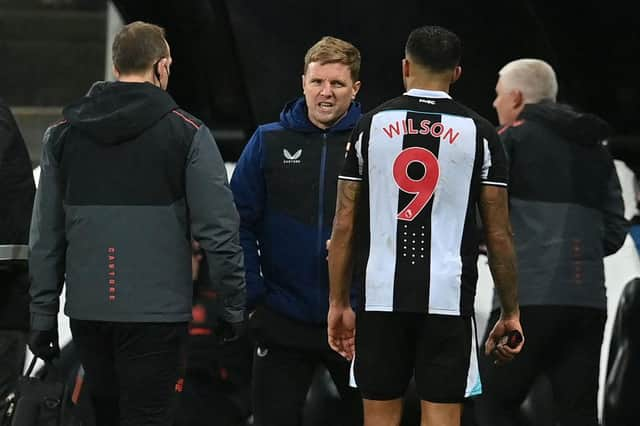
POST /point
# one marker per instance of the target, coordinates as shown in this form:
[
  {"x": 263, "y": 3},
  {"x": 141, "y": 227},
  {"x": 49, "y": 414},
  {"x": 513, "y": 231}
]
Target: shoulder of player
[
  {"x": 479, "y": 119},
  {"x": 484, "y": 126},
  {"x": 398, "y": 102}
]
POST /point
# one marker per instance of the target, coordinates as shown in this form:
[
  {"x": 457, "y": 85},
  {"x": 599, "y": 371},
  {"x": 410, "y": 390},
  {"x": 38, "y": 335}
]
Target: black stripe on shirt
[{"x": 413, "y": 252}]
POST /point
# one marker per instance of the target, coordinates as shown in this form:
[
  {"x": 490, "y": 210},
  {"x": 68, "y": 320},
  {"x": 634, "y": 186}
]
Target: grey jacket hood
[{"x": 115, "y": 112}]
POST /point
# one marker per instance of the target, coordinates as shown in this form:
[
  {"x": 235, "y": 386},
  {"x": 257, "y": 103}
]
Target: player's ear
[{"x": 457, "y": 72}]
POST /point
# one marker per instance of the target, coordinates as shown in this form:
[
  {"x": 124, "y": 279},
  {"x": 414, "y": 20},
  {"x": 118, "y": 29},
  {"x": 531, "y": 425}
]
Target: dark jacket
[
  {"x": 126, "y": 180},
  {"x": 284, "y": 186},
  {"x": 17, "y": 190},
  {"x": 566, "y": 205}
]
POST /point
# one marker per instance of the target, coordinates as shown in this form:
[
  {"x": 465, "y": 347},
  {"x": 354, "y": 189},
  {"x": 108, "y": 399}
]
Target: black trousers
[
  {"x": 133, "y": 371},
  {"x": 286, "y": 358},
  {"x": 14, "y": 323},
  {"x": 563, "y": 343},
  {"x": 13, "y": 346}
]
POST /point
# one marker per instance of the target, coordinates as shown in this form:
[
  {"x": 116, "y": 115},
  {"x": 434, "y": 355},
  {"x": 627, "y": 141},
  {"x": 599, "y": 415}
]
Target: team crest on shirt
[{"x": 290, "y": 158}]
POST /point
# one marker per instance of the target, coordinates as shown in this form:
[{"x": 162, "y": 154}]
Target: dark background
[{"x": 236, "y": 62}]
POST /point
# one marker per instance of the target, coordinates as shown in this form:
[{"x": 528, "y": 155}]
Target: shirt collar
[{"x": 422, "y": 93}]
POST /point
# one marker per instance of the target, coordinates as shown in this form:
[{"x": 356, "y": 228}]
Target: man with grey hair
[
  {"x": 524, "y": 81},
  {"x": 566, "y": 211}
]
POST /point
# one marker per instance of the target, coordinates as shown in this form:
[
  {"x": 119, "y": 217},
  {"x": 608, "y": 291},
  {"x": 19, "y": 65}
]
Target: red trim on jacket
[
  {"x": 506, "y": 126},
  {"x": 188, "y": 120}
]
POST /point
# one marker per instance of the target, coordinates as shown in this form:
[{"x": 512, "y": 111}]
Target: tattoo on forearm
[
  {"x": 350, "y": 190},
  {"x": 340, "y": 252},
  {"x": 503, "y": 268},
  {"x": 347, "y": 197}
]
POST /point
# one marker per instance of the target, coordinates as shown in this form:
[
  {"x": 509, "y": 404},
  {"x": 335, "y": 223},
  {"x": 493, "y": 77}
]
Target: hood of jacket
[
  {"x": 581, "y": 128},
  {"x": 294, "y": 116},
  {"x": 115, "y": 112}
]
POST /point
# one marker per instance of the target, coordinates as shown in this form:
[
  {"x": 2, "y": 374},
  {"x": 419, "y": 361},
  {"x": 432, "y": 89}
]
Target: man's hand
[
  {"x": 496, "y": 343},
  {"x": 341, "y": 330},
  {"x": 44, "y": 344},
  {"x": 196, "y": 258},
  {"x": 231, "y": 331},
  {"x": 341, "y": 320}
]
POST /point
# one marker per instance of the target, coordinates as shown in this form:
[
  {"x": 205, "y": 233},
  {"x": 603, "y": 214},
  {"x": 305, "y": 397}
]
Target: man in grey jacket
[
  {"x": 127, "y": 179},
  {"x": 566, "y": 210}
]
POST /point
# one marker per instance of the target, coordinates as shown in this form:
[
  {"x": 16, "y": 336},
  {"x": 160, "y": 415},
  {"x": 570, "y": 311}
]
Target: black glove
[
  {"x": 231, "y": 331},
  {"x": 44, "y": 344}
]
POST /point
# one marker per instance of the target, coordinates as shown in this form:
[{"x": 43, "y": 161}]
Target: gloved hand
[
  {"x": 231, "y": 331},
  {"x": 44, "y": 344}
]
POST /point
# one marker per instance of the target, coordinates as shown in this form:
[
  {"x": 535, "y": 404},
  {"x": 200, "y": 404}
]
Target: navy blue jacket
[{"x": 284, "y": 186}]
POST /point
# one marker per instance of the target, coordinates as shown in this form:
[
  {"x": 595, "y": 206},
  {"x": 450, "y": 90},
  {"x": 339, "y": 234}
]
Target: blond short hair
[{"x": 331, "y": 50}]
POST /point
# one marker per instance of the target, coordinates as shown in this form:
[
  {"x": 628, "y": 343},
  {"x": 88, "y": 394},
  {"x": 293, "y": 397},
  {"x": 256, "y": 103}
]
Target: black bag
[
  {"x": 623, "y": 370},
  {"x": 40, "y": 400},
  {"x": 7, "y": 407}
]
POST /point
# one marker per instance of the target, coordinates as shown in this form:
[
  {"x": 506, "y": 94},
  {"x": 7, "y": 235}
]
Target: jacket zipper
[{"x": 323, "y": 165}]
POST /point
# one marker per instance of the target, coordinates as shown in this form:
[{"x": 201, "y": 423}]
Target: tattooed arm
[
  {"x": 502, "y": 262},
  {"x": 341, "y": 249},
  {"x": 341, "y": 318}
]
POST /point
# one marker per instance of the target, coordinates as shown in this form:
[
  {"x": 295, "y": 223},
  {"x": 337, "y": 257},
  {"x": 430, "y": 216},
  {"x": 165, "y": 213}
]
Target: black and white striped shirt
[{"x": 421, "y": 158}]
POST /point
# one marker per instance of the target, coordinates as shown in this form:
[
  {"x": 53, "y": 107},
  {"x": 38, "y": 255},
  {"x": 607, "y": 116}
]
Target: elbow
[
  {"x": 615, "y": 237},
  {"x": 614, "y": 243}
]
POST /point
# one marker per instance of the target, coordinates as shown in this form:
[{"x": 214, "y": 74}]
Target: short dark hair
[
  {"x": 434, "y": 47},
  {"x": 137, "y": 46}
]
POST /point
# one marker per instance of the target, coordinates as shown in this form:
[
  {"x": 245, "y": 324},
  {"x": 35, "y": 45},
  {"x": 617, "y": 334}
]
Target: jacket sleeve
[
  {"x": 6, "y": 133},
  {"x": 47, "y": 240},
  {"x": 615, "y": 225},
  {"x": 508, "y": 143},
  {"x": 248, "y": 188},
  {"x": 214, "y": 223},
  {"x": 17, "y": 188}
]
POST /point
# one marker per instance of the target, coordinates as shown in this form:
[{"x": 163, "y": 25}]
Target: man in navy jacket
[{"x": 284, "y": 187}]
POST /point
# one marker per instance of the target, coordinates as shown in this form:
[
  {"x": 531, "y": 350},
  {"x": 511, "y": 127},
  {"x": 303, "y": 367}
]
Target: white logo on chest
[{"x": 290, "y": 158}]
